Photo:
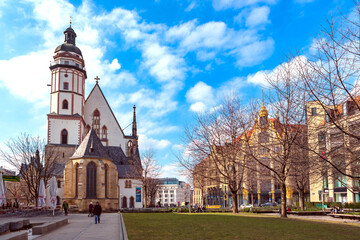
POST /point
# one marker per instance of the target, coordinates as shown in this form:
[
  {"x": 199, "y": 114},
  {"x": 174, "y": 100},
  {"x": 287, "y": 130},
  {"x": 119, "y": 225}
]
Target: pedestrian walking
[
  {"x": 91, "y": 210},
  {"x": 65, "y": 207},
  {"x": 97, "y": 212}
]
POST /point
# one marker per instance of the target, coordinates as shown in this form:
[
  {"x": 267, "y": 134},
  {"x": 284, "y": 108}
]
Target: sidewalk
[
  {"x": 318, "y": 218},
  {"x": 82, "y": 227}
]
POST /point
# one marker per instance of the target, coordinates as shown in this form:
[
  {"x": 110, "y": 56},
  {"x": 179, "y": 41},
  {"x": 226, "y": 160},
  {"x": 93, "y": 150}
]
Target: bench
[{"x": 48, "y": 227}]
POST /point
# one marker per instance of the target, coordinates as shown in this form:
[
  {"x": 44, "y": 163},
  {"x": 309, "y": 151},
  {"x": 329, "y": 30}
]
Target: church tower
[{"x": 68, "y": 74}]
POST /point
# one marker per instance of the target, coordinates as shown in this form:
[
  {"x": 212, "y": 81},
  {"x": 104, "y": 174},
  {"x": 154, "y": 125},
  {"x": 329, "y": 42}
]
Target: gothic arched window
[
  {"x": 65, "y": 104},
  {"x": 91, "y": 180},
  {"x": 124, "y": 202},
  {"x": 64, "y": 136},
  {"x": 132, "y": 202},
  {"x": 104, "y": 132},
  {"x": 96, "y": 121}
]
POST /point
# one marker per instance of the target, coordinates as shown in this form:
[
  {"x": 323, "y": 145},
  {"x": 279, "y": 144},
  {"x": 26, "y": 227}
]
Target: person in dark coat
[
  {"x": 97, "y": 212},
  {"x": 66, "y": 207},
  {"x": 91, "y": 210}
]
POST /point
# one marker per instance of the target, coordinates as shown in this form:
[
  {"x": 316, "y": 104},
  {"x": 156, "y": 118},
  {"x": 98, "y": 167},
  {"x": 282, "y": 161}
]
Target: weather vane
[{"x": 70, "y": 21}]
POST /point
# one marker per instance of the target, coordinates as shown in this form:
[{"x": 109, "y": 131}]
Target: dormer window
[{"x": 66, "y": 86}]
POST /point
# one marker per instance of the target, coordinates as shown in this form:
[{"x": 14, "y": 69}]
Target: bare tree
[
  {"x": 150, "y": 174},
  {"x": 274, "y": 143},
  {"x": 27, "y": 155},
  {"x": 199, "y": 180},
  {"x": 213, "y": 142},
  {"x": 331, "y": 77}
]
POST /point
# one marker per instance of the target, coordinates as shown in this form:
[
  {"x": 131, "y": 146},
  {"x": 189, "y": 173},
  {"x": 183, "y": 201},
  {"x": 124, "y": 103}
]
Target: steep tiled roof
[
  {"x": 129, "y": 171},
  {"x": 91, "y": 147},
  {"x": 59, "y": 169},
  {"x": 117, "y": 155}
]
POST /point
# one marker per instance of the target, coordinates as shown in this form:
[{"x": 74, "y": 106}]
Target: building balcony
[{"x": 62, "y": 63}]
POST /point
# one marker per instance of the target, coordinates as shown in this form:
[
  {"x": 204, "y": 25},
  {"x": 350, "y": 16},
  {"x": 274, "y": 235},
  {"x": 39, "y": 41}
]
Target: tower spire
[{"x": 134, "y": 127}]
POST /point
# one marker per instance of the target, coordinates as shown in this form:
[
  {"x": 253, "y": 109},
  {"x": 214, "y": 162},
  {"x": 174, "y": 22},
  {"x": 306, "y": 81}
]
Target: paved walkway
[
  {"x": 318, "y": 218},
  {"x": 82, "y": 227}
]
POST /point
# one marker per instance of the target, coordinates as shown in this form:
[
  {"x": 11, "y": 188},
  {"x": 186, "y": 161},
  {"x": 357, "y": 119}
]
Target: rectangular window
[
  {"x": 66, "y": 86},
  {"x": 66, "y": 62},
  {"x": 76, "y": 64},
  {"x": 313, "y": 111},
  {"x": 325, "y": 182},
  {"x": 59, "y": 183}
]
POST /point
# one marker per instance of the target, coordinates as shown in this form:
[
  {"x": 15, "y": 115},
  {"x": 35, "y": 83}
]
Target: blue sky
[{"x": 171, "y": 58}]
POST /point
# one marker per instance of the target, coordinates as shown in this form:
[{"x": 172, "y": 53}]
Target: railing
[{"x": 71, "y": 63}]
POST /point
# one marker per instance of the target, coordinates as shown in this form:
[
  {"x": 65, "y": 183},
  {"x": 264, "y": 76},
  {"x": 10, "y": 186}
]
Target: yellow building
[
  {"x": 259, "y": 183},
  {"x": 329, "y": 141}
]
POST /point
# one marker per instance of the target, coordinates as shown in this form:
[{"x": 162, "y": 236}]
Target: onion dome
[{"x": 69, "y": 42}]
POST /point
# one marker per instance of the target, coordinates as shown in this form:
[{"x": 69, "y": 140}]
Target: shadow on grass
[{"x": 230, "y": 226}]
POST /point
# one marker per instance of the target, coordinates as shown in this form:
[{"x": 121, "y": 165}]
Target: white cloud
[
  {"x": 258, "y": 16},
  {"x": 201, "y": 96},
  {"x": 198, "y": 107},
  {"x": 236, "y": 4},
  {"x": 259, "y": 78},
  {"x": 191, "y": 6},
  {"x": 27, "y": 76},
  {"x": 255, "y": 52},
  {"x": 200, "y": 92},
  {"x": 173, "y": 170},
  {"x": 163, "y": 65},
  {"x": 208, "y": 35},
  {"x": 148, "y": 142}
]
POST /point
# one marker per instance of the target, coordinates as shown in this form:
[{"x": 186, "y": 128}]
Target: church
[{"x": 96, "y": 161}]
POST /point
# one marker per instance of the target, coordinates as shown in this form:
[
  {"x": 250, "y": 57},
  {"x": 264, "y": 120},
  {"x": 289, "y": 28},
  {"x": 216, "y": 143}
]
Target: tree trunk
[
  {"x": 145, "y": 197},
  {"x": 283, "y": 200},
  {"x": 302, "y": 200},
  {"x": 252, "y": 199},
  {"x": 234, "y": 200}
]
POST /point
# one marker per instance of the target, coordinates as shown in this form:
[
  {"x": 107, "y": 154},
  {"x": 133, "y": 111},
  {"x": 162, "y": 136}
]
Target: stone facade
[{"x": 84, "y": 132}]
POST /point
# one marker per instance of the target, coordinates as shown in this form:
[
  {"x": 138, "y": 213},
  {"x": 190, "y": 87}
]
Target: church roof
[
  {"x": 91, "y": 147},
  {"x": 117, "y": 154},
  {"x": 129, "y": 171}
]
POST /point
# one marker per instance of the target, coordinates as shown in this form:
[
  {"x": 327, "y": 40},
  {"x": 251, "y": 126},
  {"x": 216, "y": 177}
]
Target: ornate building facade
[
  {"x": 259, "y": 184},
  {"x": 334, "y": 143}
]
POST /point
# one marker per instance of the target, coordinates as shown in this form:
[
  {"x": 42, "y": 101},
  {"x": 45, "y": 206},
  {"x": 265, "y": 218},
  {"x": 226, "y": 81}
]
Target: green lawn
[{"x": 228, "y": 226}]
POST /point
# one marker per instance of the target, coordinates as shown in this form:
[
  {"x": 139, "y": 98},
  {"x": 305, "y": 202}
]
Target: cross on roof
[{"x": 97, "y": 79}]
